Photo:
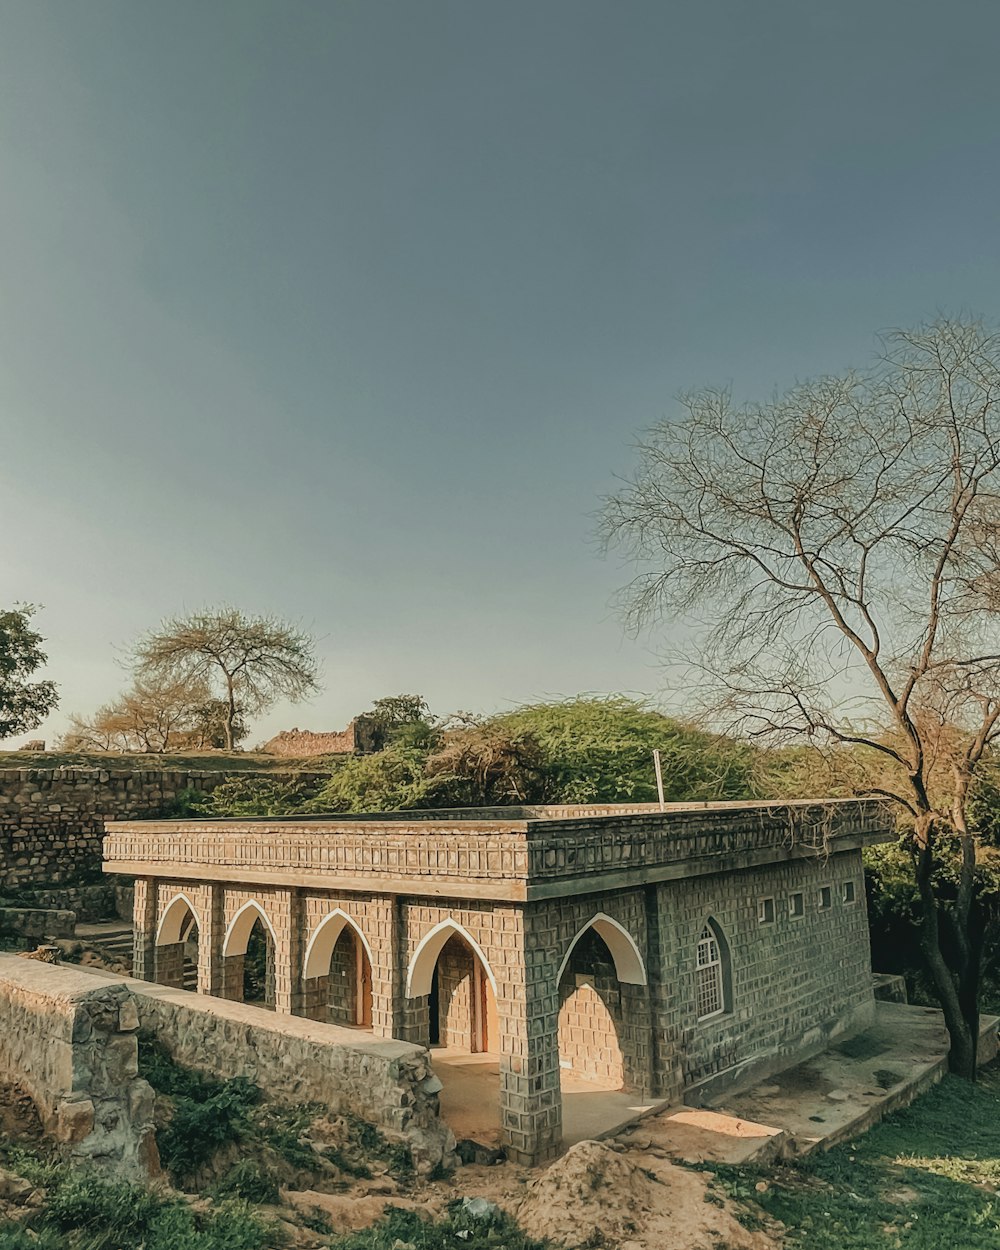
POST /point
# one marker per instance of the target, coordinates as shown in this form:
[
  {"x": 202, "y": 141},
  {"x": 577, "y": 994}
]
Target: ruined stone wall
[
  {"x": 387, "y": 1083},
  {"x": 70, "y": 1041},
  {"x": 357, "y": 739},
  {"x": 52, "y": 819}
]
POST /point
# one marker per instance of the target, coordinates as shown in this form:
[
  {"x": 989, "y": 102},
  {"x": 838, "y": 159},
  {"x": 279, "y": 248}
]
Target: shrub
[
  {"x": 208, "y": 1113},
  {"x": 248, "y": 1180}
]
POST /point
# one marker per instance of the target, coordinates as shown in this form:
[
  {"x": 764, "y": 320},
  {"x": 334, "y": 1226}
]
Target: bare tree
[
  {"x": 155, "y": 715},
  {"x": 254, "y": 660},
  {"x": 834, "y": 553}
]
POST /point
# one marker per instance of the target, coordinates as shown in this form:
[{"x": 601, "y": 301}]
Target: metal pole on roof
[{"x": 659, "y": 778}]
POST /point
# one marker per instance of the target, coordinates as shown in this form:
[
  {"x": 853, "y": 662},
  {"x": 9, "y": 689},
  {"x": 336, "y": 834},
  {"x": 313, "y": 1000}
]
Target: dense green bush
[
  {"x": 207, "y": 1113},
  {"x": 249, "y": 1180},
  {"x": 254, "y": 796}
]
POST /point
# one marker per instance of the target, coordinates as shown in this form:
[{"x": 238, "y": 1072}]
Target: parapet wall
[
  {"x": 71, "y": 1041},
  {"x": 52, "y": 819},
  {"x": 387, "y": 1083}
]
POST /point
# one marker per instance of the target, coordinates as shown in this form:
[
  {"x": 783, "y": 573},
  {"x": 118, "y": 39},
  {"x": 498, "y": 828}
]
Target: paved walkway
[
  {"x": 813, "y": 1105},
  {"x": 838, "y": 1094},
  {"x": 470, "y": 1100}
]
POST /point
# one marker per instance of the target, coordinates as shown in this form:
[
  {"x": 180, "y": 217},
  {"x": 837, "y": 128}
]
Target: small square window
[
  {"x": 796, "y": 905},
  {"x": 849, "y": 894},
  {"x": 765, "y": 910},
  {"x": 825, "y": 897}
]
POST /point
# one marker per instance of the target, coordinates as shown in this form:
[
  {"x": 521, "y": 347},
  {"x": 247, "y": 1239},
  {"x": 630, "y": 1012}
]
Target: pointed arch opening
[
  {"x": 337, "y": 973},
  {"x": 450, "y": 970},
  {"x": 176, "y": 951},
  {"x": 248, "y": 957},
  {"x": 629, "y": 966}
]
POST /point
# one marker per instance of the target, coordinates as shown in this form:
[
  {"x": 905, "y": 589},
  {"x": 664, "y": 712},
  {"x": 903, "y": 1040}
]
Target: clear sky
[{"x": 352, "y": 311}]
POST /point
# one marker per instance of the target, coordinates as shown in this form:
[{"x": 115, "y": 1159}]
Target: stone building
[{"x": 666, "y": 952}]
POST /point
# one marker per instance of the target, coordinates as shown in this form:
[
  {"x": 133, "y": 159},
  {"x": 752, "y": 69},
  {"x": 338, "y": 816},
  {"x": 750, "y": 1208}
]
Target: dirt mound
[{"x": 594, "y": 1196}]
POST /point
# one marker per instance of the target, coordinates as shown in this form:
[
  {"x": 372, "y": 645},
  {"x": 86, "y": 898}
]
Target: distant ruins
[{"x": 359, "y": 738}]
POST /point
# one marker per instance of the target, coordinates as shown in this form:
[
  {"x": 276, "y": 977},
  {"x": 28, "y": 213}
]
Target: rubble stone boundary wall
[
  {"x": 71, "y": 1041},
  {"x": 387, "y": 1083},
  {"x": 52, "y": 819}
]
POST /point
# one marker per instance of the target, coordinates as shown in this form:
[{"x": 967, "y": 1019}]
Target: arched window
[{"x": 712, "y": 973}]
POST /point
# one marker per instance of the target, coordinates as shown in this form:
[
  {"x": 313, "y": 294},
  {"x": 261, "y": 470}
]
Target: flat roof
[{"x": 515, "y": 853}]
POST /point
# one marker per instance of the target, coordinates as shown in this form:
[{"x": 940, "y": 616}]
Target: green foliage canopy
[{"x": 24, "y": 704}]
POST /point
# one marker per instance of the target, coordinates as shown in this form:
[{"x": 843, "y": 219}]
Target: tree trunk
[
  {"x": 957, "y": 991},
  {"x": 230, "y": 713}
]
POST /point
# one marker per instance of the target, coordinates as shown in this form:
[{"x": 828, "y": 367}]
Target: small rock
[
  {"x": 761, "y": 1187},
  {"x": 838, "y": 1095},
  {"x": 479, "y": 1208}
]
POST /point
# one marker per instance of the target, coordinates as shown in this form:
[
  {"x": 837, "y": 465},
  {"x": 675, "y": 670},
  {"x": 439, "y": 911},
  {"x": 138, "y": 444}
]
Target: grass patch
[
  {"x": 926, "y": 1177},
  {"x": 456, "y": 1232},
  {"x": 87, "y": 1210}
]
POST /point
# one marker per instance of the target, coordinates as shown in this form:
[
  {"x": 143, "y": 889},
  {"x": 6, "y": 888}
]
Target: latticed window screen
[{"x": 709, "y": 970}]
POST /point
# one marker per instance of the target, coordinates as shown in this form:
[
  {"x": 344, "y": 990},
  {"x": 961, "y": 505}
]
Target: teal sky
[{"x": 351, "y": 311}]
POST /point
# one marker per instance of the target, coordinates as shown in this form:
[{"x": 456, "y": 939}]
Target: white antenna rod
[{"x": 659, "y": 779}]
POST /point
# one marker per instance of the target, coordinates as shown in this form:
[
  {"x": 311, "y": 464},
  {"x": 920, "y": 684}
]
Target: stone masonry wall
[
  {"x": 387, "y": 1083},
  {"x": 70, "y": 1040},
  {"x": 455, "y": 989},
  {"x": 52, "y": 819},
  {"x": 796, "y": 982},
  {"x": 590, "y": 1014}
]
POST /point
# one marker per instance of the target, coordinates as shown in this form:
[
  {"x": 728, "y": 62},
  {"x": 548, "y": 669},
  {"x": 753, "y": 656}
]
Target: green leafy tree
[
  {"x": 250, "y": 661},
  {"x": 24, "y": 704},
  {"x": 402, "y": 718}
]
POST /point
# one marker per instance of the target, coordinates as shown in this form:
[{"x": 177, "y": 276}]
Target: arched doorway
[
  {"x": 248, "y": 958},
  {"x": 338, "y": 974},
  {"x": 462, "y": 1009},
  {"x": 601, "y": 1015},
  {"x": 451, "y": 972},
  {"x": 176, "y": 962}
]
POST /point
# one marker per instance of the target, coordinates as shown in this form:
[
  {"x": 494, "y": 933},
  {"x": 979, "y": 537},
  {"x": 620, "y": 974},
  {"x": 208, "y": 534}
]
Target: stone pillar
[
  {"x": 286, "y": 914},
  {"x": 388, "y": 967},
  {"x": 528, "y": 1016},
  {"x": 315, "y": 999},
  {"x": 144, "y": 929},
  {"x": 415, "y": 1021},
  {"x": 210, "y": 937}
]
